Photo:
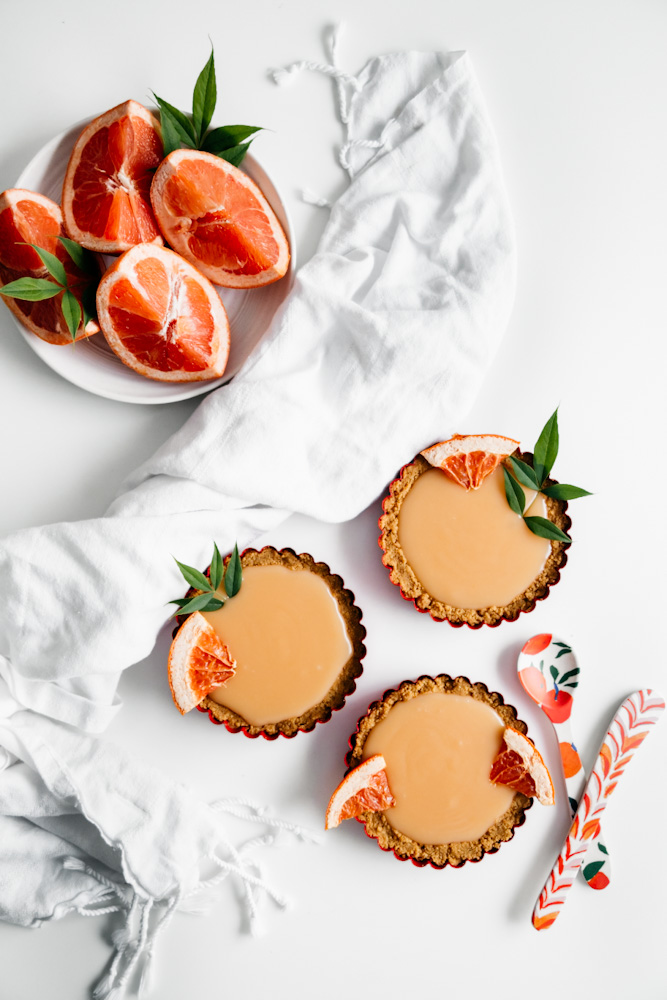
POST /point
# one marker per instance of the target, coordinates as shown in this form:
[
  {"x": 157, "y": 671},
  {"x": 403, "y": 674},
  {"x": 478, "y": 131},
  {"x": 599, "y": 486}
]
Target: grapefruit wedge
[
  {"x": 198, "y": 662},
  {"x": 469, "y": 458},
  {"x": 216, "y": 217},
  {"x": 364, "y": 788},
  {"x": 520, "y": 766},
  {"x": 162, "y": 317},
  {"x": 106, "y": 200},
  {"x": 27, "y": 217}
]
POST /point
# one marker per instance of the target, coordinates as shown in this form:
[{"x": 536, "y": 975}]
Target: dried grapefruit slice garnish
[
  {"x": 469, "y": 458},
  {"x": 216, "y": 217},
  {"x": 364, "y": 789},
  {"x": 199, "y": 661},
  {"x": 520, "y": 766},
  {"x": 162, "y": 317},
  {"x": 27, "y": 217},
  {"x": 106, "y": 192}
]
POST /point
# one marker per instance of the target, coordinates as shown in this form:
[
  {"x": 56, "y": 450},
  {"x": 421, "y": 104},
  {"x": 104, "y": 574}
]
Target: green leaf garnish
[
  {"x": 51, "y": 263},
  {"x": 227, "y": 136},
  {"x": 194, "y": 577},
  {"x": 31, "y": 289},
  {"x": 546, "y": 448},
  {"x": 177, "y": 129},
  {"x": 83, "y": 258},
  {"x": 524, "y": 473},
  {"x": 562, "y": 491},
  {"x": 202, "y": 602},
  {"x": 217, "y": 568},
  {"x": 516, "y": 498},
  {"x": 88, "y": 303},
  {"x": 235, "y": 155},
  {"x": 71, "y": 311},
  {"x": 204, "y": 99},
  {"x": 233, "y": 574},
  {"x": 545, "y": 528}
]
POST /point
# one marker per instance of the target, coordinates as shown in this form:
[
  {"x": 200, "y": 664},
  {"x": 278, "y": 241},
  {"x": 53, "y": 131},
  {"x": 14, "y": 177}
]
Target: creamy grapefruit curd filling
[
  {"x": 290, "y": 639},
  {"x": 468, "y": 548},
  {"x": 439, "y": 749}
]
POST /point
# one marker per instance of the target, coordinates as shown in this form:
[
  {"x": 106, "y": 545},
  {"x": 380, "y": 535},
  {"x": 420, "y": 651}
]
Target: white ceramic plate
[{"x": 91, "y": 364}]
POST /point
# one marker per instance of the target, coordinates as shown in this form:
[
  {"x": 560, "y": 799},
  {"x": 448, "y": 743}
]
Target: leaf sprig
[
  {"x": 192, "y": 131},
  {"x": 35, "y": 289},
  {"x": 535, "y": 478},
  {"x": 230, "y": 578}
]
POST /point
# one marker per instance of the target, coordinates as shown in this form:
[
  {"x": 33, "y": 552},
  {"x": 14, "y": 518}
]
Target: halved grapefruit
[
  {"x": 364, "y": 788},
  {"x": 162, "y": 317},
  {"x": 198, "y": 662},
  {"x": 216, "y": 217},
  {"x": 520, "y": 766},
  {"x": 27, "y": 217},
  {"x": 469, "y": 458},
  {"x": 106, "y": 201}
]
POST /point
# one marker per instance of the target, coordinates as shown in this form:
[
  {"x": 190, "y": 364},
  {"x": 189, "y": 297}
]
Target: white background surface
[{"x": 576, "y": 93}]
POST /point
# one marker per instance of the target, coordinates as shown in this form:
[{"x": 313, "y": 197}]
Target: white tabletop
[{"x": 576, "y": 93}]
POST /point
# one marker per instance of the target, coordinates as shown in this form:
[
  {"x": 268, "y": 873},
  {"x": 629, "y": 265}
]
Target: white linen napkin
[{"x": 378, "y": 352}]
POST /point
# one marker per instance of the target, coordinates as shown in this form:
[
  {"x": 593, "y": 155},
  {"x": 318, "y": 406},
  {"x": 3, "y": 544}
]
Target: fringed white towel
[{"x": 378, "y": 352}]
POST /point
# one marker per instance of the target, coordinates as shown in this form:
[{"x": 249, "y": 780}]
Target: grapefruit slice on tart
[
  {"x": 520, "y": 766},
  {"x": 162, "y": 317},
  {"x": 364, "y": 789},
  {"x": 106, "y": 191},
  {"x": 468, "y": 459},
  {"x": 199, "y": 661},
  {"x": 216, "y": 217},
  {"x": 27, "y": 217}
]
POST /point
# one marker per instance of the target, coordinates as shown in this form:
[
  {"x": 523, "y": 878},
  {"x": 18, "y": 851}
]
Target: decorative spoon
[
  {"x": 549, "y": 674},
  {"x": 628, "y": 729}
]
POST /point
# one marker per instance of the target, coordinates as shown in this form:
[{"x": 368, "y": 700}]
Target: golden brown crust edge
[
  {"x": 402, "y": 575},
  {"x": 376, "y": 823},
  {"x": 345, "y": 683}
]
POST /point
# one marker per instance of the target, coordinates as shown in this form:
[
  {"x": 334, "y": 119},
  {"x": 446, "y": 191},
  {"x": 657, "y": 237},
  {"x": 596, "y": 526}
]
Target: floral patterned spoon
[{"x": 549, "y": 674}]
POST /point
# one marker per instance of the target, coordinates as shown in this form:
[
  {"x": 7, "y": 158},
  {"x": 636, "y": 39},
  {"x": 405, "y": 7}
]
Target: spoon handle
[
  {"x": 597, "y": 869},
  {"x": 629, "y": 727}
]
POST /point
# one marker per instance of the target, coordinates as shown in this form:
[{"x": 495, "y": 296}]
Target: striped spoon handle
[{"x": 629, "y": 728}]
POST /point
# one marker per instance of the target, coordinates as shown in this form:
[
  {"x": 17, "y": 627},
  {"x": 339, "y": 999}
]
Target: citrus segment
[
  {"x": 217, "y": 218},
  {"x": 162, "y": 317},
  {"x": 27, "y": 217},
  {"x": 106, "y": 193},
  {"x": 520, "y": 766},
  {"x": 469, "y": 459},
  {"x": 364, "y": 789},
  {"x": 198, "y": 662}
]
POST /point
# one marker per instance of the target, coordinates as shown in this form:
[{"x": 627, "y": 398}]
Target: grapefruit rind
[
  {"x": 365, "y": 787},
  {"x": 468, "y": 459},
  {"x": 533, "y": 765},
  {"x": 196, "y": 633}
]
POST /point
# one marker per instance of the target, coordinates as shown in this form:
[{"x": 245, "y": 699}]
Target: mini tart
[
  {"x": 345, "y": 683},
  {"x": 403, "y": 576},
  {"x": 376, "y": 824}
]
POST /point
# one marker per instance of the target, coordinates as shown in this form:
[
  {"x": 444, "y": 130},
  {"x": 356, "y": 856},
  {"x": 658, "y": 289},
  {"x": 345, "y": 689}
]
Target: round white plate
[{"x": 91, "y": 364}]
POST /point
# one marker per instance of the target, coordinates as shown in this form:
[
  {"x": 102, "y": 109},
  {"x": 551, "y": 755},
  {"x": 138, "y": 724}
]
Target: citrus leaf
[
  {"x": 562, "y": 491},
  {"x": 233, "y": 574},
  {"x": 546, "y": 529},
  {"x": 546, "y": 448},
  {"x": 227, "y": 136},
  {"x": 217, "y": 568},
  {"x": 31, "y": 289},
  {"x": 524, "y": 473},
  {"x": 235, "y": 154},
  {"x": 203, "y": 100},
  {"x": 516, "y": 498},
  {"x": 51, "y": 263},
  {"x": 177, "y": 129},
  {"x": 194, "y": 577},
  {"x": 89, "y": 304},
  {"x": 83, "y": 258},
  {"x": 202, "y": 602},
  {"x": 71, "y": 311}
]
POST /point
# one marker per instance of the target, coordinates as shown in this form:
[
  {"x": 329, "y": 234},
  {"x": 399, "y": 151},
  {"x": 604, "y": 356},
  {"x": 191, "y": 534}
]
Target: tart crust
[
  {"x": 378, "y": 826},
  {"x": 402, "y": 574},
  {"x": 345, "y": 683}
]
